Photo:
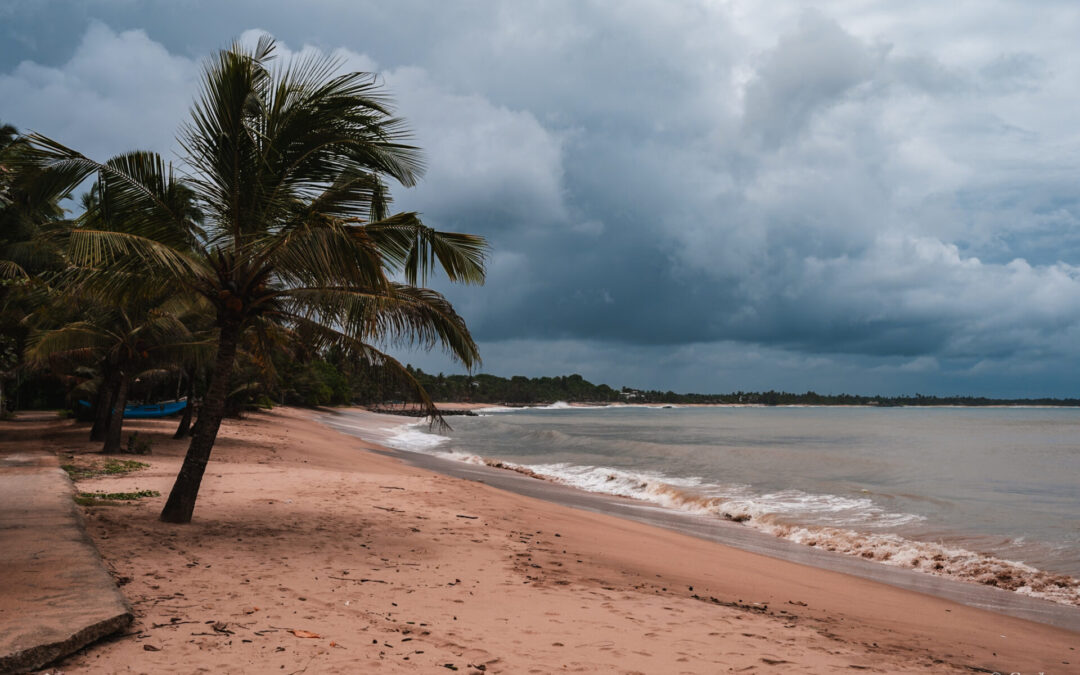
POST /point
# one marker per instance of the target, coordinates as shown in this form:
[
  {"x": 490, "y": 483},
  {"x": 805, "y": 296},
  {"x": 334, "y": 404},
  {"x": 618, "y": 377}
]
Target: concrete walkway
[{"x": 55, "y": 594}]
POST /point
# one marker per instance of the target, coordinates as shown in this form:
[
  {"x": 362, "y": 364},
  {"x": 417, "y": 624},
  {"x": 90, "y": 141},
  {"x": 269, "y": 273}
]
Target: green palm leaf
[{"x": 413, "y": 248}]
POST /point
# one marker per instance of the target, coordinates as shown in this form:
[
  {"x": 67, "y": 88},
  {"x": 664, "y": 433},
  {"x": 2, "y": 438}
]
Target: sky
[{"x": 688, "y": 195}]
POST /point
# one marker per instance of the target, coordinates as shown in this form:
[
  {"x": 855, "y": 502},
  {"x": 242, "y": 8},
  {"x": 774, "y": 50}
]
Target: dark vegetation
[
  {"x": 109, "y": 467},
  {"x": 519, "y": 390},
  {"x": 332, "y": 379},
  {"x": 271, "y": 267},
  {"x": 112, "y": 498}
]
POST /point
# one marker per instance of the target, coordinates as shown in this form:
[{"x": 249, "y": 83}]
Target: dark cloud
[
  {"x": 807, "y": 71},
  {"x": 678, "y": 195}
]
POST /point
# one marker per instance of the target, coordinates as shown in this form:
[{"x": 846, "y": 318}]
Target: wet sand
[
  {"x": 746, "y": 539},
  {"x": 302, "y": 531}
]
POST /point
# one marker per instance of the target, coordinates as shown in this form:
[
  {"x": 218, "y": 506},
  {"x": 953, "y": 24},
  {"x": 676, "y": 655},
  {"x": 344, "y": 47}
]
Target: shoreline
[
  {"x": 304, "y": 531},
  {"x": 685, "y": 510},
  {"x": 732, "y": 534},
  {"x": 460, "y": 407}
]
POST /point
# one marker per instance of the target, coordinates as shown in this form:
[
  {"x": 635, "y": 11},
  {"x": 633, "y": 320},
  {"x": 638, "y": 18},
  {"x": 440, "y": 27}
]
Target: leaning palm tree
[{"x": 290, "y": 168}]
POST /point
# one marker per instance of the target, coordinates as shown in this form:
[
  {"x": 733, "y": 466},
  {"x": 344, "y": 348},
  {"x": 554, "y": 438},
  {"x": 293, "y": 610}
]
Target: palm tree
[
  {"x": 127, "y": 340},
  {"x": 137, "y": 290},
  {"x": 290, "y": 168},
  {"x": 30, "y": 198}
]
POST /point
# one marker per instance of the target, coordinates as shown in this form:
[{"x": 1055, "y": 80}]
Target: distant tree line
[
  {"x": 519, "y": 390},
  {"x": 334, "y": 377}
]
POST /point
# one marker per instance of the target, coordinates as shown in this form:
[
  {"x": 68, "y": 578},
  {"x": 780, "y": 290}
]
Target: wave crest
[
  {"x": 789, "y": 514},
  {"x": 772, "y": 513}
]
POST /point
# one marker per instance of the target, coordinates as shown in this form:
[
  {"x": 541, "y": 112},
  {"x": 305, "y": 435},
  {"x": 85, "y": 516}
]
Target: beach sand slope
[{"x": 311, "y": 551}]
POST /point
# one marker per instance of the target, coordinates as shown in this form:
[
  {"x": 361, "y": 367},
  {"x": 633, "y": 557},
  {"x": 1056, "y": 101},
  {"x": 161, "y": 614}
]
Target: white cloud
[
  {"x": 985, "y": 308},
  {"x": 118, "y": 92},
  {"x": 480, "y": 156}
]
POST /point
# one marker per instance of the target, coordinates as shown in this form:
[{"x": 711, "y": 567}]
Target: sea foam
[
  {"x": 410, "y": 437},
  {"x": 790, "y": 514}
]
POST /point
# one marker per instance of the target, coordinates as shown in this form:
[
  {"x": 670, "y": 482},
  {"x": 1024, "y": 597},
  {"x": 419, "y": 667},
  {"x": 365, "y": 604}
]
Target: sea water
[{"x": 990, "y": 495}]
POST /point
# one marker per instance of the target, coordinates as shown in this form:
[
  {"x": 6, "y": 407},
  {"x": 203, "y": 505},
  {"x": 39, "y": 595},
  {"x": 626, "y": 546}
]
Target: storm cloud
[{"x": 695, "y": 196}]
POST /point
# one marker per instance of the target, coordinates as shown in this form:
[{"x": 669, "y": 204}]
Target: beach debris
[
  {"x": 151, "y": 648},
  {"x": 360, "y": 581},
  {"x": 461, "y": 515},
  {"x": 304, "y": 633},
  {"x": 175, "y": 621},
  {"x": 739, "y": 604}
]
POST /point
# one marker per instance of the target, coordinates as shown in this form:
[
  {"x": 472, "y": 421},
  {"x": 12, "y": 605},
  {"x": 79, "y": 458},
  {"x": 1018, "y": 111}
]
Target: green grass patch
[
  {"x": 110, "y": 467},
  {"x": 112, "y": 498}
]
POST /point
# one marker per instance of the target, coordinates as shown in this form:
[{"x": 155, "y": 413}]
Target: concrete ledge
[
  {"x": 56, "y": 596},
  {"x": 39, "y": 655}
]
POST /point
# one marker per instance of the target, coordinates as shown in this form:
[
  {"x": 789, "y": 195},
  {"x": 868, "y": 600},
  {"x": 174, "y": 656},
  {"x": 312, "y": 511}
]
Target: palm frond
[
  {"x": 111, "y": 252},
  {"x": 12, "y": 270},
  {"x": 401, "y": 314},
  {"x": 66, "y": 340},
  {"x": 413, "y": 248},
  {"x": 137, "y": 180},
  {"x": 325, "y": 336},
  {"x": 325, "y": 254}
]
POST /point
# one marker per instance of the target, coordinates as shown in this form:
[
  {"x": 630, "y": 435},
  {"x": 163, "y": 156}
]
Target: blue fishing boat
[{"x": 136, "y": 412}]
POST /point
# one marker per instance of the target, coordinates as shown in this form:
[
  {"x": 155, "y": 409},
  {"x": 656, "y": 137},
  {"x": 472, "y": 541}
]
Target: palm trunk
[
  {"x": 102, "y": 409},
  {"x": 181, "y": 502},
  {"x": 185, "y": 422},
  {"x": 116, "y": 420}
]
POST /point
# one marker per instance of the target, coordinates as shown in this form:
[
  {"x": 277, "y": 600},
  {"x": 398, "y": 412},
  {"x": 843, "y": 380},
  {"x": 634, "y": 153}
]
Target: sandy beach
[{"x": 312, "y": 551}]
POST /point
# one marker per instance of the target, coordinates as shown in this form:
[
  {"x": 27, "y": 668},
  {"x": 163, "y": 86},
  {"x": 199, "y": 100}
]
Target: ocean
[{"x": 989, "y": 495}]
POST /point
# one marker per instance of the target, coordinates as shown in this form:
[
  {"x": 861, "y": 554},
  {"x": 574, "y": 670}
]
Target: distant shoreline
[{"x": 462, "y": 408}]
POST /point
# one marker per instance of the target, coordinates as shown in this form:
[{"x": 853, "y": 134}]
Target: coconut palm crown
[{"x": 289, "y": 168}]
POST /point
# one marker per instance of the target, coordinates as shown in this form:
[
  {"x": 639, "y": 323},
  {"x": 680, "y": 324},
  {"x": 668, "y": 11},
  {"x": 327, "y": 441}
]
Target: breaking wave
[
  {"x": 411, "y": 438},
  {"x": 849, "y": 525}
]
